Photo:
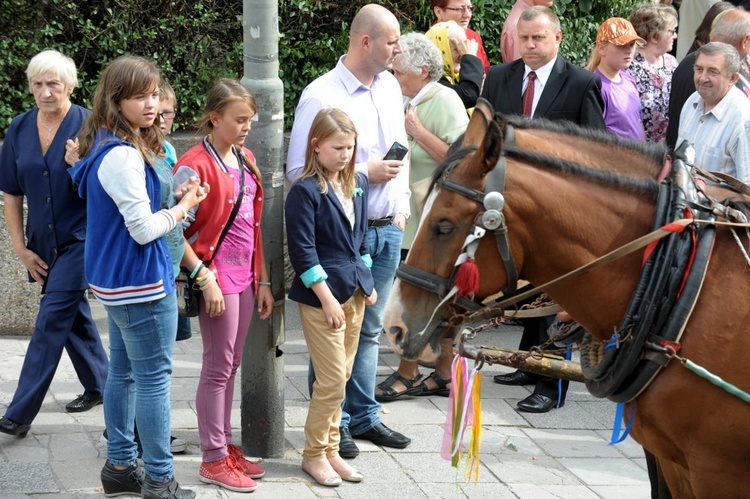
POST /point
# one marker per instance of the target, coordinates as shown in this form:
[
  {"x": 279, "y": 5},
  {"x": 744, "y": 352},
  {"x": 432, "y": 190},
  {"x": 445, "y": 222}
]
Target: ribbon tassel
[
  {"x": 464, "y": 409},
  {"x": 467, "y": 278}
]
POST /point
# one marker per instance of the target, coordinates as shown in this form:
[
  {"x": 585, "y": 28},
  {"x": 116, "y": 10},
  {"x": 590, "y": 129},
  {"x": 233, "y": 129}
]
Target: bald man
[{"x": 361, "y": 86}]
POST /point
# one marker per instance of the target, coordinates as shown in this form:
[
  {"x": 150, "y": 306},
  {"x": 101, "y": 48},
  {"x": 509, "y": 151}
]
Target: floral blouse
[{"x": 654, "y": 85}]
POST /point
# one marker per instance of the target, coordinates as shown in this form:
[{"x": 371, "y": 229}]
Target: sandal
[
  {"x": 441, "y": 390},
  {"x": 389, "y": 393}
]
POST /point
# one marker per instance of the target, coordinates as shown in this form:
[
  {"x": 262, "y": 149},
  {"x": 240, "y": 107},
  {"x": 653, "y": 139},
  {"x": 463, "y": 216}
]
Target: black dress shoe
[
  {"x": 537, "y": 403},
  {"x": 517, "y": 378},
  {"x": 12, "y": 428},
  {"x": 347, "y": 448},
  {"x": 380, "y": 434},
  {"x": 83, "y": 403}
]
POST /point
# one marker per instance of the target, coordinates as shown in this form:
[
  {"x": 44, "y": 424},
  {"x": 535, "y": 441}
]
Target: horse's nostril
[{"x": 397, "y": 333}]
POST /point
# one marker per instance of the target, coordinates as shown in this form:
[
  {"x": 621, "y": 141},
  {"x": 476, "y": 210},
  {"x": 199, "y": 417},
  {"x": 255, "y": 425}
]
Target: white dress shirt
[{"x": 377, "y": 112}]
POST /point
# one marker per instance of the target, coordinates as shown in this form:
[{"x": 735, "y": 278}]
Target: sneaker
[
  {"x": 245, "y": 465},
  {"x": 177, "y": 445},
  {"x": 224, "y": 474},
  {"x": 165, "y": 490},
  {"x": 127, "y": 482}
]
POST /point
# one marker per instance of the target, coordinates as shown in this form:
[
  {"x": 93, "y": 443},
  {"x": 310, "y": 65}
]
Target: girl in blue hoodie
[{"x": 129, "y": 270}]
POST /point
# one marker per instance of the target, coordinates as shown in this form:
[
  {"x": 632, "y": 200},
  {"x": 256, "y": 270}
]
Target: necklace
[{"x": 50, "y": 128}]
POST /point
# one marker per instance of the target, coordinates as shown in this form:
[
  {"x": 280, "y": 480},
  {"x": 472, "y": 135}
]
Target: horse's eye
[{"x": 444, "y": 228}]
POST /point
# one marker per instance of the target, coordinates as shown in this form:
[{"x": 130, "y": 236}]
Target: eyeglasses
[
  {"x": 467, "y": 8},
  {"x": 671, "y": 31},
  {"x": 168, "y": 115}
]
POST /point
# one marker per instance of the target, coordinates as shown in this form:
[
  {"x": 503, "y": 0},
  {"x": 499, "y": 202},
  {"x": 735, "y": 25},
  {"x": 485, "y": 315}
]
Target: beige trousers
[{"x": 332, "y": 354}]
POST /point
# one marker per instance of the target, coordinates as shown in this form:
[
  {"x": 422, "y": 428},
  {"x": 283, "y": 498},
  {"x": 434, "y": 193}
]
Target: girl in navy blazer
[{"x": 326, "y": 223}]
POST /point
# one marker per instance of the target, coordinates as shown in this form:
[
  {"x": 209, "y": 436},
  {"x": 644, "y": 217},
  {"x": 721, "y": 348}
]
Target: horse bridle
[{"x": 491, "y": 219}]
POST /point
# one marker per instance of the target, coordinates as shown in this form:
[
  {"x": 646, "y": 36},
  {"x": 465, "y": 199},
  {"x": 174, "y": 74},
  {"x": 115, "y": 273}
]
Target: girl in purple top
[{"x": 615, "y": 46}]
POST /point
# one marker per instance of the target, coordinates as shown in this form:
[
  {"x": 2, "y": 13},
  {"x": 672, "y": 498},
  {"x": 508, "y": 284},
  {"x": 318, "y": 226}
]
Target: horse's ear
[
  {"x": 486, "y": 131},
  {"x": 480, "y": 119}
]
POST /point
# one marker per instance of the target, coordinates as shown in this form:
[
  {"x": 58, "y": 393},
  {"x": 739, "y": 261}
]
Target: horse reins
[{"x": 492, "y": 219}]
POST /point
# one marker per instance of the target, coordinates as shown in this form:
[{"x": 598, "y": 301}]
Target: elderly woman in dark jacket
[{"x": 32, "y": 165}]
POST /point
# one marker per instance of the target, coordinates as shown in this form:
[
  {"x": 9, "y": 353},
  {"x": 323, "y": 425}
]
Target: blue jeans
[
  {"x": 141, "y": 340},
  {"x": 360, "y": 408}
]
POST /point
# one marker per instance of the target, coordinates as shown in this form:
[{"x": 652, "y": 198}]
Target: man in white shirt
[
  {"x": 361, "y": 86},
  {"x": 716, "y": 118}
]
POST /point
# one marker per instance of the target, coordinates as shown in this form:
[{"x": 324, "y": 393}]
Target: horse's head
[{"x": 415, "y": 317}]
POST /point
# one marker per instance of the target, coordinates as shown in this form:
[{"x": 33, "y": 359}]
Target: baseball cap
[{"x": 618, "y": 31}]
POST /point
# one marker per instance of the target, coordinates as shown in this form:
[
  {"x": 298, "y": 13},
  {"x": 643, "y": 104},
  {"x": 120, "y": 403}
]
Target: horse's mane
[
  {"x": 655, "y": 151},
  {"x": 654, "y": 155}
]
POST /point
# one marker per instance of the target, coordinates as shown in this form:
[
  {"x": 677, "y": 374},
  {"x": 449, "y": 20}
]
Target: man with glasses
[
  {"x": 509, "y": 47},
  {"x": 460, "y": 11},
  {"x": 716, "y": 118}
]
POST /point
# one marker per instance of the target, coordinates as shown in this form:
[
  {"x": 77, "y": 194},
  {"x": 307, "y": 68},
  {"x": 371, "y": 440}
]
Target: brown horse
[{"x": 575, "y": 196}]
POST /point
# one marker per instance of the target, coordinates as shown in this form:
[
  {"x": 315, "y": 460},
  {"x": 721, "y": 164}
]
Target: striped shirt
[{"x": 721, "y": 136}]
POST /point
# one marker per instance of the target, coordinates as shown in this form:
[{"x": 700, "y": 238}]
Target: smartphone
[{"x": 397, "y": 152}]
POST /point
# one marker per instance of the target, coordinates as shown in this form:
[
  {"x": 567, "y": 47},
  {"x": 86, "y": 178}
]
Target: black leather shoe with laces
[
  {"x": 10, "y": 427},
  {"x": 83, "y": 403}
]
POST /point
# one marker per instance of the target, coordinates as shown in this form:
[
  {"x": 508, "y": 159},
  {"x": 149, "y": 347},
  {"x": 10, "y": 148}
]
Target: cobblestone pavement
[{"x": 561, "y": 454}]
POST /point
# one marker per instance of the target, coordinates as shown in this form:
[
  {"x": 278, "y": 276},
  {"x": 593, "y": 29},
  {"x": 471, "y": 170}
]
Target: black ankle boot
[{"x": 165, "y": 490}]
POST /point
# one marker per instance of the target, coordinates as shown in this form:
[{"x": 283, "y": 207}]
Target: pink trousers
[{"x": 223, "y": 343}]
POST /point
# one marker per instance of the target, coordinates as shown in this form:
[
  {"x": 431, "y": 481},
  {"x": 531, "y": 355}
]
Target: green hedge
[{"x": 197, "y": 42}]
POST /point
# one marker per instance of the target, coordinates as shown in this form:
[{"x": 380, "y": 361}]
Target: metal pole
[{"x": 263, "y": 361}]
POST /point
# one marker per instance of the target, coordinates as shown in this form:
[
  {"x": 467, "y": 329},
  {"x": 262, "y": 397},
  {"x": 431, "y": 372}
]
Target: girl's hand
[
  {"x": 334, "y": 313},
  {"x": 71, "y": 151},
  {"x": 265, "y": 302},
  {"x": 184, "y": 187},
  {"x": 214, "y": 300},
  {"x": 373, "y": 298},
  {"x": 194, "y": 194}
]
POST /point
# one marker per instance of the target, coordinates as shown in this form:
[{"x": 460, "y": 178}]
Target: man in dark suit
[
  {"x": 562, "y": 91},
  {"x": 542, "y": 84}
]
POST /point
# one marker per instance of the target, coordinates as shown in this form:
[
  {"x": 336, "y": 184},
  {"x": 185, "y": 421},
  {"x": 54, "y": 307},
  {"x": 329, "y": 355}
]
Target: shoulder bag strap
[{"x": 236, "y": 208}]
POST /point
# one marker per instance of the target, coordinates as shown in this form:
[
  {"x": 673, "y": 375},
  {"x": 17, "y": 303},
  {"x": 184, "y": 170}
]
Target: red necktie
[{"x": 528, "y": 95}]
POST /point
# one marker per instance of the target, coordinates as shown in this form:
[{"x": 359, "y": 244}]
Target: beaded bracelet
[{"x": 264, "y": 283}]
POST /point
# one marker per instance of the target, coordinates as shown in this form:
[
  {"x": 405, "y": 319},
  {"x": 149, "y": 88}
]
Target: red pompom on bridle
[{"x": 467, "y": 278}]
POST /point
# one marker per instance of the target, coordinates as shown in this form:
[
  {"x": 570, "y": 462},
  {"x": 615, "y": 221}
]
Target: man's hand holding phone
[{"x": 383, "y": 170}]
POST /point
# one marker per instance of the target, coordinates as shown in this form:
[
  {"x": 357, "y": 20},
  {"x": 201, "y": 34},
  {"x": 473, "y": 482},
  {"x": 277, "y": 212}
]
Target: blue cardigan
[{"x": 323, "y": 245}]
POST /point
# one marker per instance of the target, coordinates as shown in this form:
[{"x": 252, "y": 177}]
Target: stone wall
[{"x": 19, "y": 302}]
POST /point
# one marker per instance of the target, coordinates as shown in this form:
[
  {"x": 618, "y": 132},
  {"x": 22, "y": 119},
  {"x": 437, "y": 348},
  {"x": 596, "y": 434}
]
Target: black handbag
[
  {"x": 188, "y": 294},
  {"x": 188, "y": 291}
]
